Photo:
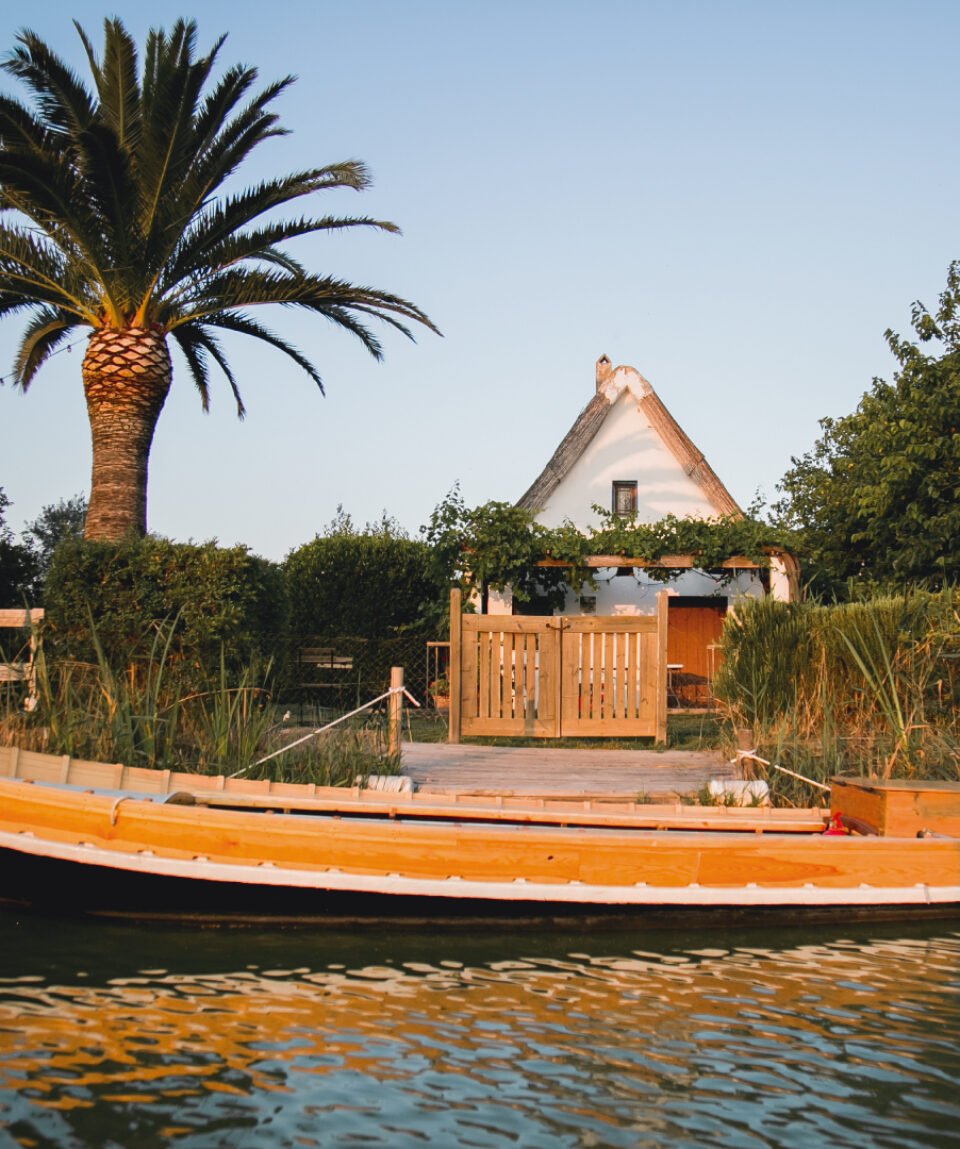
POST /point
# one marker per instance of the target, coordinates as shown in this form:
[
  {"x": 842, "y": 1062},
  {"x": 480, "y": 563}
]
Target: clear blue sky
[{"x": 736, "y": 198}]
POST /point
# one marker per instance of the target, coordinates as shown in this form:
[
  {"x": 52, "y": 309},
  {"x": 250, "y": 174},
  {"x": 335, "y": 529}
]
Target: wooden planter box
[{"x": 900, "y": 809}]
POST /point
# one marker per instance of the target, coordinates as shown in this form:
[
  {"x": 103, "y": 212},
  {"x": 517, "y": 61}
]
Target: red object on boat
[{"x": 836, "y": 825}]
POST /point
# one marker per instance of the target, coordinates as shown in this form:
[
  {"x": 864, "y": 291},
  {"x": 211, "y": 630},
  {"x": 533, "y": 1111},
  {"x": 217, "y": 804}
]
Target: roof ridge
[{"x": 611, "y": 383}]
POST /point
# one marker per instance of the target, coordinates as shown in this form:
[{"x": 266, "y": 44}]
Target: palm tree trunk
[{"x": 126, "y": 377}]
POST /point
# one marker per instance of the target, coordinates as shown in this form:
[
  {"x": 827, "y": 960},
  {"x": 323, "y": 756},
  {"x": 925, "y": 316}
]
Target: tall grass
[
  {"x": 336, "y": 758},
  {"x": 227, "y": 724},
  {"x": 150, "y": 713},
  {"x": 867, "y": 688}
]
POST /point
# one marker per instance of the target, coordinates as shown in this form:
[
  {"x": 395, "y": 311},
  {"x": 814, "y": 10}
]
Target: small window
[{"x": 625, "y": 498}]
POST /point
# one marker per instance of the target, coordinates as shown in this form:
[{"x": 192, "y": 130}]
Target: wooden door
[{"x": 693, "y": 637}]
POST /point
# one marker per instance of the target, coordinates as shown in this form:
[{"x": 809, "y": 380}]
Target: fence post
[
  {"x": 455, "y": 664},
  {"x": 395, "y": 712},
  {"x": 663, "y": 616}
]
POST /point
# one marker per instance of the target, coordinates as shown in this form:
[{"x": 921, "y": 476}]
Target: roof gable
[{"x": 630, "y": 428}]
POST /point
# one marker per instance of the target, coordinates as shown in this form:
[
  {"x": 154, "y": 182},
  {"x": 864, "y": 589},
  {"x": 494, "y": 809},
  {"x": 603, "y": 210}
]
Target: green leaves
[
  {"x": 497, "y": 545},
  {"x": 220, "y": 597},
  {"x": 368, "y": 583},
  {"x": 710, "y": 541},
  {"x": 877, "y": 500}
]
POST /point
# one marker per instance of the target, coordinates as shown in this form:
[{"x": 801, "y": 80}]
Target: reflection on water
[{"x": 126, "y": 1036}]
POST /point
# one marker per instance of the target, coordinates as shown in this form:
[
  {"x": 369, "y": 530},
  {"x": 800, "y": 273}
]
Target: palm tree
[{"x": 116, "y": 220}]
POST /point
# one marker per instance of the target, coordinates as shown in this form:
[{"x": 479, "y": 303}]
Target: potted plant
[{"x": 439, "y": 691}]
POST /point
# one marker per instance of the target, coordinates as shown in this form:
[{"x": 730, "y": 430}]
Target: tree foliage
[
  {"x": 366, "y": 583},
  {"x": 18, "y": 564},
  {"x": 711, "y": 542},
  {"x": 496, "y": 545},
  {"x": 221, "y": 601},
  {"x": 56, "y": 523},
  {"x": 878, "y": 497}
]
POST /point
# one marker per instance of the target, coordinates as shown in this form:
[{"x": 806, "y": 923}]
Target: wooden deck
[{"x": 438, "y": 767}]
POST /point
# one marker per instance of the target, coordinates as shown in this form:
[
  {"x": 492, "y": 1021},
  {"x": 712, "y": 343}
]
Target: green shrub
[
  {"x": 217, "y": 599},
  {"x": 367, "y": 585}
]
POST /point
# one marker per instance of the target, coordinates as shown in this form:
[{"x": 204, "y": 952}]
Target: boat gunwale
[{"x": 61, "y": 770}]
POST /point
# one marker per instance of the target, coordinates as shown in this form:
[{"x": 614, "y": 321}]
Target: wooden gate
[{"x": 582, "y": 675}]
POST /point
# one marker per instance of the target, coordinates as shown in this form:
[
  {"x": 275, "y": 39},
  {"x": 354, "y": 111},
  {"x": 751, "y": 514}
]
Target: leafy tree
[
  {"x": 877, "y": 497},
  {"x": 497, "y": 545},
  {"x": 122, "y": 225},
  {"x": 18, "y": 564},
  {"x": 56, "y": 523}
]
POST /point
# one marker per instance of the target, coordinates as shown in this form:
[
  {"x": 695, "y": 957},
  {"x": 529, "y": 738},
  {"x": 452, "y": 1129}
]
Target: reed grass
[
  {"x": 859, "y": 688},
  {"x": 150, "y": 713},
  {"x": 336, "y": 758}
]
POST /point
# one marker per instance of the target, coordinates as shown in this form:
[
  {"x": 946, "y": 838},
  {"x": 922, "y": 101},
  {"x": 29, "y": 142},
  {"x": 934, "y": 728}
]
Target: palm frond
[
  {"x": 34, "y": 270},
  {"x": 20, "y": 131},
  {"x": 222, "y": 146},
  {"x": 195, "y": 355},
  {"x": 244, "y": 325},
  {"x": 63, "y": 100},
  {"x": 216, "y": 352},
  {"x": 344, "y": 317},
  {"x": 246, "y": 287},
  {"x": 342, "y": 222},
  {"x": 352, "y": 174},
  {"x": 212, "y": 245},
  {"x": 215, "y": 110},
  {"x": 195, "y": 343},
  {"x": 111, "y": 196},
  {"x": 207, "y": 167},
  {"x": 216, "y": 223},
  {"x": 43, "y": 334},
  {"x": 49, "y": 190},
  {"x": 117, "y": 84},
  {"x": 171, "y": 87}
]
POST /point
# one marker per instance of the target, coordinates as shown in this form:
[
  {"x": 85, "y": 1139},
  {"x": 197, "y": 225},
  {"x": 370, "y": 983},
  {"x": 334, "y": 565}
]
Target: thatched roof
[{"x": 611, "y": 383}]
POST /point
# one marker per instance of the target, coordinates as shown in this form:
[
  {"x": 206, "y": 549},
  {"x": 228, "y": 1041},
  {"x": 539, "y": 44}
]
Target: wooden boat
[{"x": 90, "y": 837}]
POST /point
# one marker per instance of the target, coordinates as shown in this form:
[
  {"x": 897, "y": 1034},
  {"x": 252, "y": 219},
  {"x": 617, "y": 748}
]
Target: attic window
[{"x": 624, "y": 501}]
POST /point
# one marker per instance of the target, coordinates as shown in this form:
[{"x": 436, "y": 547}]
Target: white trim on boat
[{"x": 574, "y": 892}]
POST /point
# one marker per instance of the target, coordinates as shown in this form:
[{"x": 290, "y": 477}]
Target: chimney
[{"x": 604, "y": 370}]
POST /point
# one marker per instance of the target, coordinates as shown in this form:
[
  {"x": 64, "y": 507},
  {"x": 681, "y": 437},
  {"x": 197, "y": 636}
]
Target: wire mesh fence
[{"x": 329, "y": 675}]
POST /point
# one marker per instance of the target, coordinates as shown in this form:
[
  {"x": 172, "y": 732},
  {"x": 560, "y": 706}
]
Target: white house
[{"x": 625, "y": 452}]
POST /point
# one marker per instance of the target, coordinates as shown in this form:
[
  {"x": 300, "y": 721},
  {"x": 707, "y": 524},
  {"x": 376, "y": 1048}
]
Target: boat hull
[
  {"x": 80, "y": 850},
  {"x": 48, "y": 885}
]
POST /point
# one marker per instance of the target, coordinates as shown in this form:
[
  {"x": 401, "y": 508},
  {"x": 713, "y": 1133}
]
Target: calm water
[{"x": 128, "y": 1036}]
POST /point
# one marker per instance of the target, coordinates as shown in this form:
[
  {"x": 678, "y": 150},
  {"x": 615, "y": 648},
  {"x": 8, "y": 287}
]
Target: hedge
[{"x": 221, "y": 599}]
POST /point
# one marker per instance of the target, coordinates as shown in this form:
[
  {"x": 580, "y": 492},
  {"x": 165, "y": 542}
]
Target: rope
[
  {"x": 754, "y": 757},
  {"x": 329, "y": 726}
]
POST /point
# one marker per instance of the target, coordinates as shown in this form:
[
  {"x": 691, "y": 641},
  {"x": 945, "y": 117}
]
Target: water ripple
[{"x": 313, "y": 1040}]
